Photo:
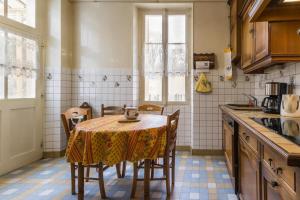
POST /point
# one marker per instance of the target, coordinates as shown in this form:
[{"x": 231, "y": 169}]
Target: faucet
[{"x": 252, "y": 99}]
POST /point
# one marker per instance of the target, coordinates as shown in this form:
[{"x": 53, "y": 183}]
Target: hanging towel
[
  {"x": 203, "y": 85},
  {"x": 228, "y": 65}
]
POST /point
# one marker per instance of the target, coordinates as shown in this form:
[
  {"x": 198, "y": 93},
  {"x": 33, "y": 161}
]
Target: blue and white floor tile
[{"x": 197, "y": 177}]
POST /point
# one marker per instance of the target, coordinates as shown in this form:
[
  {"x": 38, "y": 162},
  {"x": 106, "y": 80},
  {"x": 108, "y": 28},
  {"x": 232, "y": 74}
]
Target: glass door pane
[
  {"x": 153, "y": 58},
  {"x": 177, "y": 57},
  {"x": 22, "y": 11},
  {"x": 1, "y": 7},
  {"x": 2, "y": 63},
  {"x": 22, "y": 58}
]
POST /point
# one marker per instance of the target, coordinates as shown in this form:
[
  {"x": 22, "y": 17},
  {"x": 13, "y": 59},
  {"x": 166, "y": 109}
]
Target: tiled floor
[{"x": 197, "y": 177}]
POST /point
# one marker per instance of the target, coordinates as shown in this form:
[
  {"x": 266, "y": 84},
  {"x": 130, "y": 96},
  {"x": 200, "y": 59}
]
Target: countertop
[{"x": 288, "y": 149}]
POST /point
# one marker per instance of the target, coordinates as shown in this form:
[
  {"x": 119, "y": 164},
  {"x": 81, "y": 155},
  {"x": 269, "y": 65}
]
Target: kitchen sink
[{"x": 243, "y": 107}]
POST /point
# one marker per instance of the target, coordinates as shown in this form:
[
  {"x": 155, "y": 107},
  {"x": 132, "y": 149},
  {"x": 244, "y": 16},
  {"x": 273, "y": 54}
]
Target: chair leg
[
  {"x": 101, "y": 181},
  {"x": 173, "y": 166},
  {"x": 87, "y": 174},
  {"x": 164, "y": 169},
  {"x": 73, "y": 178},
  {"x": 118, "y": 169},
  {"x": 124, "y": 169},
  {"x": 134, "y": 179},
  {"x": 167, "y": 171},
  {"x": 153, "y": 162}
]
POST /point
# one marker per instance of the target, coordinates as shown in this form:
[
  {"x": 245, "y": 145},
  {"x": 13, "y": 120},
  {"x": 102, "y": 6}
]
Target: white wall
[
  {"x": 211, "y": 29},
  {"x": 103, "y": 35}
]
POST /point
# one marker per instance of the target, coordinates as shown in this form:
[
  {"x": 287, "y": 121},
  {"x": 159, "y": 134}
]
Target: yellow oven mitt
[{"x": 203, "y": 85}]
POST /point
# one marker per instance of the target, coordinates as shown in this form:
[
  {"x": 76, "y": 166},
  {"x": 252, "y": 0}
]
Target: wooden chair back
[
  {"x": 151, "y": 108},
  {"x": 112, "y": 110},
  {"x": 172, "y": 125},
  {"x": 68, "y": 114}
]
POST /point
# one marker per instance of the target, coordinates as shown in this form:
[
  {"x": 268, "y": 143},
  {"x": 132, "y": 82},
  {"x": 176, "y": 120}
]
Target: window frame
[
  {"x": 33, "y": 33},
  {"x": 6, "y": 20},
  {"x": 165, "y": 12}
]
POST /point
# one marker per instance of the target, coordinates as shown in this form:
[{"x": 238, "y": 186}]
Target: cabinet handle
[
  {"x": 274, "y": 184},
  {"x": 279, "y": 170},
  {"x": 270, "y": 161},
  {"x": 298, "y": 31},
  {"x": 247, "y": 138}
]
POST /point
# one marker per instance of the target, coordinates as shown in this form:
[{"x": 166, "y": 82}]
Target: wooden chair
[
  {"x": 151, "y": 108},
  {"x": 170, "y": 149},
  {"x": 115, "y": 110},
  {"x": 66, "y": 118},
  {"x": 112, "y": 110}
]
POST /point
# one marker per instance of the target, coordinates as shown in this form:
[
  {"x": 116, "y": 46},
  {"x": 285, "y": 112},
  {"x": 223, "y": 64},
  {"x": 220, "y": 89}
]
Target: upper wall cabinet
[
  {"x": 275, "y": 10},
  {"x": 264, "y": 44},
  {"x": 235, "y": 29}
]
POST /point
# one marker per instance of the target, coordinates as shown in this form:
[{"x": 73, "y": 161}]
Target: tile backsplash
[
  {"x": 284, "y": 73},
  {"x": 200, "y": 120}
]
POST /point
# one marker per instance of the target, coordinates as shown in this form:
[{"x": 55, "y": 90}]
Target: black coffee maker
[{"x": 274, "y": 91}]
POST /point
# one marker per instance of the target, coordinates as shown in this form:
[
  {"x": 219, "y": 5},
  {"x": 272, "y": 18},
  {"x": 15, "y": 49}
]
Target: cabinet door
[
  {"x": 289, "y": 38},
  {"x": 234, "y": 29},
  {"x": 273, "y": 188},
  {"x": 247, "y": 41},
  {"x": 249, "y": 173},
  {"x": 228, "y": 139},
  {"x": 261, "y": 32}
]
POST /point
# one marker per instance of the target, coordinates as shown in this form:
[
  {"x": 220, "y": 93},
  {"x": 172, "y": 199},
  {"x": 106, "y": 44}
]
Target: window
[
  {"x": 22, "y": 11},
  {"x": 18, "y": 66},
  {"x": 165, "y": 56},
  {"x": 1, "y": 7}
]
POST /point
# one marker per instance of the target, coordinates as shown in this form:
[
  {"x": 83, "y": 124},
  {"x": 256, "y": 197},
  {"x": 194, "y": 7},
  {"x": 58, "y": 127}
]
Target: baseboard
[
  {"x": 183, "y": 148},
  {"x": 207, "y": 152},
  {"x": 54, "y": 154},
  {"x": 201, "y": 152}
]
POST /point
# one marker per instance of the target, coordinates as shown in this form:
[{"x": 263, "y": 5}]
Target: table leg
[
  {"x": 80, "y": 181},
  {"x": 147, "y": 179}
]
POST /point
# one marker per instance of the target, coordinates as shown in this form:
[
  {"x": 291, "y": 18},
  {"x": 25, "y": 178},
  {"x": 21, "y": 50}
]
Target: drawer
[
  {"x": 249, "y": 138},
  {"x": 274, "y": 187},
  {"x": 278, "y": 165}
]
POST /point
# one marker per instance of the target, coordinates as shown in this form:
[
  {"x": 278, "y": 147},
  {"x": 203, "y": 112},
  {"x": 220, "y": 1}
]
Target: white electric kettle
[{"x": 290, "y": 105}]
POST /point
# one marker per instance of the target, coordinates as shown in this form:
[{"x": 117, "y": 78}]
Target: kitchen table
[{"x": 109, "y": 141}]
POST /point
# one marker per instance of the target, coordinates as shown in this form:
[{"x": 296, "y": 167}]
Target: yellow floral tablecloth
[{"x": 109, "y": 141}]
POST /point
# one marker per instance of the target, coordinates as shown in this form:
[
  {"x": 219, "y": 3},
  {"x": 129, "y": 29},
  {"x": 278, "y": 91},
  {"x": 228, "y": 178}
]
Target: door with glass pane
[
  {"x": 165, "y": 56},
  {"x": 20, "y": 101}
]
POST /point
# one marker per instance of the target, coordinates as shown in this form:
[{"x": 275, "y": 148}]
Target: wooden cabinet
[
  {"x": 249, "y": 174},
  {"x": 288, "y": 35},
  {"x": 275, "y": 10},
  {"x": 247, "y": 41},
  {"x": 273, "y": 188},
  {"x": 264, "y": 44},
  {"x": 261, "y": 46},
  {"x": 263, "y": 170},
  {"x": 235, "y": 29}
]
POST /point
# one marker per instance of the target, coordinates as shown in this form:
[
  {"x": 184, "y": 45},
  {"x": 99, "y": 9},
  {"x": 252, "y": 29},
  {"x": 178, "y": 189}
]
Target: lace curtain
[
  {"x": 19, "y": 64},
  {"x": 18, "y": 55},
  {"x": 176, "y": 58}
]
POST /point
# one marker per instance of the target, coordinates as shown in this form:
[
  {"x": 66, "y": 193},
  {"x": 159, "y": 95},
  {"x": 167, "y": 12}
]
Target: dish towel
[{"x": 203, "y": 85}]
